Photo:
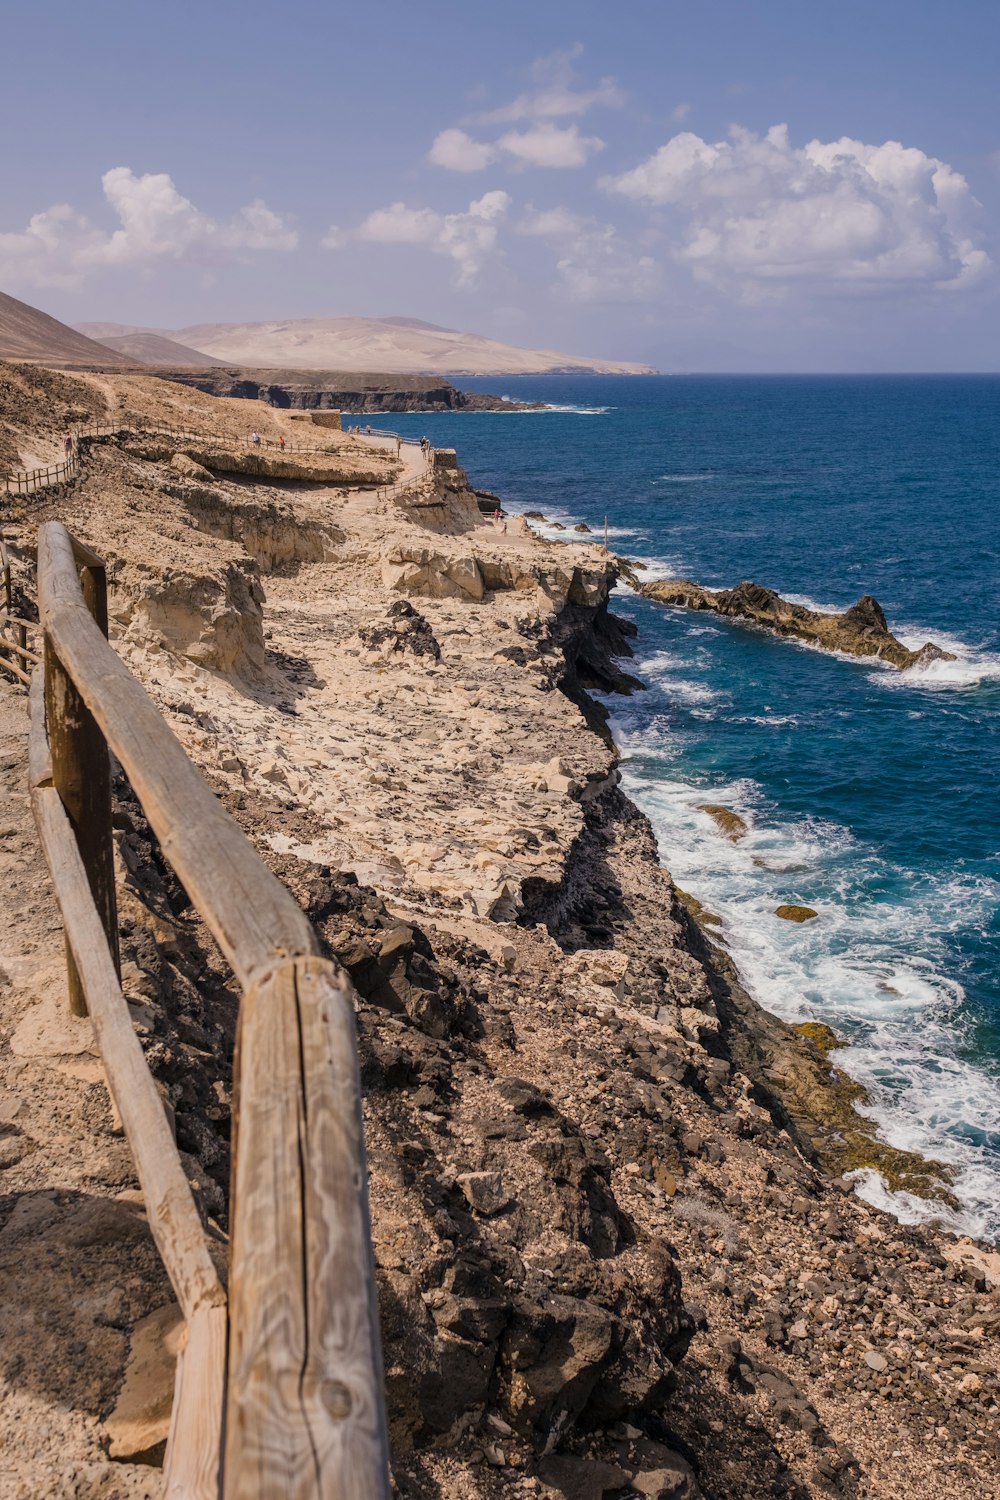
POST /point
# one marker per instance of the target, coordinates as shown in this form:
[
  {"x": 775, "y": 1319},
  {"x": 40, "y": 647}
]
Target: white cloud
[
  {"x": 468, "y": 238},
  {"x": 156, "y": 222},
  {"x": 761, "y": 212},
  {"x": 548, "y": 145},
  {"x": 458, "y": 152},
  {"x": 557, "y": 94},
  {"x": 542, "y": 143},
  {"x": 593, "y": 262}
]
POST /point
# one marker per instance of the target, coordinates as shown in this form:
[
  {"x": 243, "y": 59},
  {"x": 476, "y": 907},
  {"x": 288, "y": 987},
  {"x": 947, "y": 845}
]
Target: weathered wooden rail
[
  {"x": 278, "y": 1393},
  {"x": 16, "y": 657}
]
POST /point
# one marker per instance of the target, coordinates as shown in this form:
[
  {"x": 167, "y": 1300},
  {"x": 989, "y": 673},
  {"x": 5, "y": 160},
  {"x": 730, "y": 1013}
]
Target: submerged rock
[
  {"x": 730, "y": 823},
  {"x": 859, "y": 631}
]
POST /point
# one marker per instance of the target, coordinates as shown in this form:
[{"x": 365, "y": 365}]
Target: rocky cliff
[{"x": 337, "y": 390}]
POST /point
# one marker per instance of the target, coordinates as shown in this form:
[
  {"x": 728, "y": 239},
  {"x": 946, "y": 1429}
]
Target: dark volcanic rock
[
  {"x": 859, "y": 631},
  {"x": 407, "y": 630}
]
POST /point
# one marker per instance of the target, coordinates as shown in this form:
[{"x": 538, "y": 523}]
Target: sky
[{"x": 714, "y": 185}]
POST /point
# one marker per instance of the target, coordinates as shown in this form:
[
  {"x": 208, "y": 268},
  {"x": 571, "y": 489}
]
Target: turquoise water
[{"x": 871, "y": 795}]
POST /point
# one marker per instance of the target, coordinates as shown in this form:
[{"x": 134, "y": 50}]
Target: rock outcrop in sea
[{"x": 860, "y": 631}]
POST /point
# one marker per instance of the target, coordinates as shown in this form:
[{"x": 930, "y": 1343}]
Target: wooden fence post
[
  {"x": 304, "y": 1413},
  {"x": 81, "y": 773}
]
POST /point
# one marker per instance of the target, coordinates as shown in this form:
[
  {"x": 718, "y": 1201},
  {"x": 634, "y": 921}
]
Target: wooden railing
[
  {"x": 279, "y": 1384},
  {"x": 16, "y": 657}
]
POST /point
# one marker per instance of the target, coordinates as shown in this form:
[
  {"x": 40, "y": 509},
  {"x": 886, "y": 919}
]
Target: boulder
[
  {"x": 571, "y": 1478},
  {"x": 182, "y": 464},
  {"x": 793, "y": 913},
  {"x": 418, "y": 570},
  {"x": 484, "y": 1191},
  {"x": 213, "y": 618},
  {"x": 138, "y": 1425}
]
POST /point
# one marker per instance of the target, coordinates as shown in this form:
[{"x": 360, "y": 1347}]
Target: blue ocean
[{"x": 871, "y": 794}]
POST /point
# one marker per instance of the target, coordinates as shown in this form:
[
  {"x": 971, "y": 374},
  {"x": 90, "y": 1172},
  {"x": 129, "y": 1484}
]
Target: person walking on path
[
  {"x": 68, "y": 443},
  {"x": 255, "y": 438},
  {"x": 281, "y": 442}
]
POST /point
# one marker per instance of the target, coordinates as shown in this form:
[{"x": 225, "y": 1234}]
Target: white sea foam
[
  {"x": 969, "y": 670},
  {"x": 854, "y": 966},
  {"x": 572, "y": 411},
  {"x": 683, "y": 478}
]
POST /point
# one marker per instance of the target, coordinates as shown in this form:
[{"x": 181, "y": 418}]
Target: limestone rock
[
  {"x": 191, "y": 470},
  {"x": 793, "y": 913},
  {"x": 138, "y": 1425},
  {"x": 214, "y": 618},
  {"x": 409, "y": 569}
]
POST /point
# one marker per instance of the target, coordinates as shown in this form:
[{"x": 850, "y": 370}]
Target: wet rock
[
  {"x": 729, "y": 822},
  {"x": 793, "y": 913},
  {"x": 859, "y": 631}
]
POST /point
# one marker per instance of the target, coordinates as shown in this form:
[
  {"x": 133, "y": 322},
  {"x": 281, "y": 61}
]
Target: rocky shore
[
  {"x": 860, "y": 631},
  {"x": 337, "y": 390},
  {"x": 616, "y": 1253}
]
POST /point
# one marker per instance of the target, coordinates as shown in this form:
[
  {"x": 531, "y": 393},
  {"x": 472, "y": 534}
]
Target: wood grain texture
[
  {"x": 305, "y": 1410},
  {"x": 192, "y": 1466},
  {"x": 81, "y": 771},
  {"x": 251, "y": 915}
]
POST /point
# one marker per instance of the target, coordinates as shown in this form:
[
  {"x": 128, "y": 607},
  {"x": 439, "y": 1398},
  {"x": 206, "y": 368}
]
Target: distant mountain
[
  {"x": 402, "y": 346},
  {"x": 31, "y": 335},
  {"x": 148, "y": 348}
]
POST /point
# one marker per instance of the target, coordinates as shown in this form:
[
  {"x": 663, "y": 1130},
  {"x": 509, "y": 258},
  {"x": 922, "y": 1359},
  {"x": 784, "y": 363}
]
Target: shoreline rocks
[{"x": 859, "y": 631}]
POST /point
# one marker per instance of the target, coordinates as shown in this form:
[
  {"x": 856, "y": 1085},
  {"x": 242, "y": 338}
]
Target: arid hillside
[
  {"x": 402, "y": 346},
  {"x": 154, "y": 349},
  {"x": 27, "y": 333}
]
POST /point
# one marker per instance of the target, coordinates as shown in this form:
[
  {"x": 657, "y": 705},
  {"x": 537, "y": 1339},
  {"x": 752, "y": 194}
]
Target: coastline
[{"x": 613, "y": 1242}]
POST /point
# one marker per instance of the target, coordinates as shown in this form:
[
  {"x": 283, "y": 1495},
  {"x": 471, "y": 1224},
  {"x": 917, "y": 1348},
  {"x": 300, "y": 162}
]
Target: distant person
[
  {"x": 368, "y": 429},
  {"x": 281, "y": 442},
  {"x": 68, "y": 443},
  {"x": 255, "y": 438},
  {"x": 399, "y": 444}
]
